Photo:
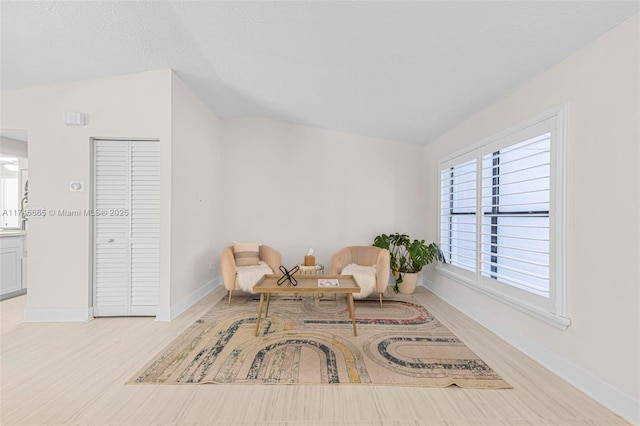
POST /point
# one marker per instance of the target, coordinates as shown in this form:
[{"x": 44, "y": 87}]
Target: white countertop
[{"x": 12, "y": 233}]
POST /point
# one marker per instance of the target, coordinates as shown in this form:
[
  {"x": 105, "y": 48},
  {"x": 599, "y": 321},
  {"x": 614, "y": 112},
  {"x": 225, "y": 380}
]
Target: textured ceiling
[{"x": 405, "y": 71}]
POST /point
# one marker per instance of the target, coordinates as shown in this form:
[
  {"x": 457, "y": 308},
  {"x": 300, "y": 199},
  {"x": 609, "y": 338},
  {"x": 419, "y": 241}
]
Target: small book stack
[{"x": 328, "y": 282}]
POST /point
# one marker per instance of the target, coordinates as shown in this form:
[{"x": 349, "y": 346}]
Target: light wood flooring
[{"x": 74, "y": 374}]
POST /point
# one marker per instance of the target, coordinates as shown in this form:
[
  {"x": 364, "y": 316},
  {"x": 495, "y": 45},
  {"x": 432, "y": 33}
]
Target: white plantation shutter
[
  {"x": 458, "y": 212},
  {"x": 126, "y": 227},
  {"x": 515, "y": 214}
]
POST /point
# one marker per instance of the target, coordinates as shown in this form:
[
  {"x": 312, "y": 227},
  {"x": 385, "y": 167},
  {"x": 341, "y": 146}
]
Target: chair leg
[
  {"x": 380, "y": 300},
  {"x": 229, "y": 301}
]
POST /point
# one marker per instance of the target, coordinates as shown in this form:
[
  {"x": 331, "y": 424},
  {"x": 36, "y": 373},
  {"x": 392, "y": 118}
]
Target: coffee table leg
[
  {"x": 352, "y": 312},
  {"x": 259, "y": 313},
  {"x": 266, "y": 313}
]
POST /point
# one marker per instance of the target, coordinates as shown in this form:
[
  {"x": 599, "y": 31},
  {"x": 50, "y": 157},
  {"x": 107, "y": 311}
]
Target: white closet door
[
  {"x": 126, "y": 227},
  {"x": 145, "y": 227},
  {"x": 111, "y": 232}
]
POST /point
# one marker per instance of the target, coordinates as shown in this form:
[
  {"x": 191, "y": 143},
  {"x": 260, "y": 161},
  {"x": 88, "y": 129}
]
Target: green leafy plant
[{"x": 408, "y": 256}]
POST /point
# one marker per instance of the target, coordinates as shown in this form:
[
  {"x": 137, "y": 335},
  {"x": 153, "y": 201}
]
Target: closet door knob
[{"x": 110, "y": 240}]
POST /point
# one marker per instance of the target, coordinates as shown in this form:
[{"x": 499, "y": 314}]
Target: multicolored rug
[{"x": 306, "y": 341}]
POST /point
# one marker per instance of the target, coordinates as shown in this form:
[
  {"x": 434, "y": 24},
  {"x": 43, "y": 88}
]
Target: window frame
[{"x": 554, "y": 309}]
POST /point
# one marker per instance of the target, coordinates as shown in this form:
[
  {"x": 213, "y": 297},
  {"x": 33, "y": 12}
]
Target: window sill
[{"x": 557, "y": 321}]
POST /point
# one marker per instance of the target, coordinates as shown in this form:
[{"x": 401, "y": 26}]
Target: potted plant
[{"x": 408, "y": 258}]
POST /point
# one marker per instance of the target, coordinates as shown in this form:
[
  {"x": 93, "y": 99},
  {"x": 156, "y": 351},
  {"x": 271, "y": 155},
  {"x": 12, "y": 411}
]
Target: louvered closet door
[
  {"x": 126, "y": 227},
  {"x": 145, "y": 227}
]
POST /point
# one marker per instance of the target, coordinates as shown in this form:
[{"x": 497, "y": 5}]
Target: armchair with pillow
[
  {"x": 369, "y": 265},
  {"x": 243, "y": 264}
]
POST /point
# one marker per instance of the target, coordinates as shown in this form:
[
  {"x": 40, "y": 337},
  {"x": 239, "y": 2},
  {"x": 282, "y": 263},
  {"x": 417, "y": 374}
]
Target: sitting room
[{"x": 344, "y": 150}]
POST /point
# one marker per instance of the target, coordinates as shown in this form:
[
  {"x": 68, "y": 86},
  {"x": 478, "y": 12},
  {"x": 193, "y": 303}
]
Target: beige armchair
[
  {"x": 365, "y": 256},
  {"x": 228, "y": 267}
]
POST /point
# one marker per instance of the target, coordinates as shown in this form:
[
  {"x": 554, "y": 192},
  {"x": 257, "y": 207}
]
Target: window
[{"x": 502, "y": 216}]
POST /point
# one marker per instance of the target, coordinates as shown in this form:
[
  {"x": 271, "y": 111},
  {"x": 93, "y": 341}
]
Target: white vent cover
[{"x": 74, "y": 119}]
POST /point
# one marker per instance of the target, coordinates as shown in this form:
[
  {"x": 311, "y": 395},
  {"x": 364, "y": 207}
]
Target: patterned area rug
[{"x": 310, "y": 341}]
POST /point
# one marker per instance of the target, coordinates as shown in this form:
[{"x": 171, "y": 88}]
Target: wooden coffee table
[{"x": 307, "y": 284}]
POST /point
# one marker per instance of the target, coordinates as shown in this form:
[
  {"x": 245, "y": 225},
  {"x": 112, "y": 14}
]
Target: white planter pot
[{"x": 409, "y": 283}]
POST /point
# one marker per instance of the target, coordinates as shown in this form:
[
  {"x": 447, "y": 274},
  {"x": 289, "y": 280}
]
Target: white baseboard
[
  {"x": 58, "y": 314},
  {"x": 86, "y": 314},
  {"x": 601, "y": 391},
  {"x": 171, "y": 313}
]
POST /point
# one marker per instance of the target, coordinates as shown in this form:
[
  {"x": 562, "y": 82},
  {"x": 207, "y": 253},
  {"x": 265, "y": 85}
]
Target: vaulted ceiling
[{"x": 405, "y": 71}]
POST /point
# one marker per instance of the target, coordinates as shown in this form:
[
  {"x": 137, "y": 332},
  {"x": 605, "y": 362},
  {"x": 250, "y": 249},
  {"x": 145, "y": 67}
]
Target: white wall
[
  {"x": 153, "y": 105},
  {"x": 131, "y": 106},
  {"x": 600, "y": 351},
  {"x": 290, "y": 186},
  {"x": 196, "y": 211},
  {"x": 294, "y": 187}
]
